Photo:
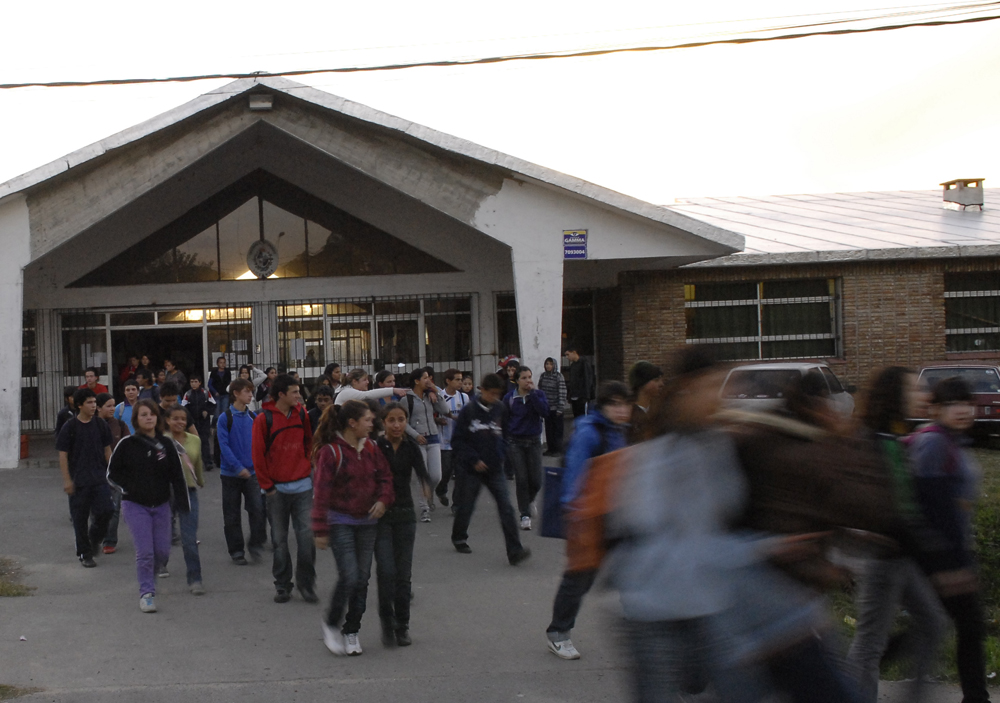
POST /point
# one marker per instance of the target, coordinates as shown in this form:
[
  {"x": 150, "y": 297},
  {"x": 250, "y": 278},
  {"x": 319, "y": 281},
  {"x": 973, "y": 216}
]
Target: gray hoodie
[{"x": 422, "y": 415}]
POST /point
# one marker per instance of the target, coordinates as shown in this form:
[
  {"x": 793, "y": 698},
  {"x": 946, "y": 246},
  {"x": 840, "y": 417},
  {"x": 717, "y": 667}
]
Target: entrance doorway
[{"x": 184, "y": 346}]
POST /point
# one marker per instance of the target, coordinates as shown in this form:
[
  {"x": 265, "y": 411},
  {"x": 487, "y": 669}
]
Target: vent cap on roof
[{"x": 963, "y": 192}]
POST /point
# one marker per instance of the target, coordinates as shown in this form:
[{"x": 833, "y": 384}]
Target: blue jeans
[
  {"x": 394, "y": 571},
  {"x": 189, "y": 538},
  {"x": 111, "y": 538},
  {"x": 282, "y": 507},
  {"x": 353, "y": 547},
  {"x": 468, "y": 482},
  {"x": 886, "y": 585}
]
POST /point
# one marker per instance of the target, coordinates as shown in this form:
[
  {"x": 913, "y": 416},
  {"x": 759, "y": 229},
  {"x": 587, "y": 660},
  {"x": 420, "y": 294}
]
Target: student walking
[
  {"x": 427, "y": 412},
  {"x": 218, "y": 383},
  {"x": 172, "y": 374},
  {"x": 201, "y": 405},
  {"x": 353, "y": 490},
  {"x": 119, "y": 430},
  {"x": 479, "y": 454},
  {"x": 91, "y": 377},
  {"x": 188, "y": 448},
  {"x": 526, "y": 408},
  {"x": 455, "y": 399},
  {"x": 239, "y": 481},
  {"x": 646, "y": 381},
  {"x": 282, "y": 448},
  {"x": 553, "y": 385},
  {"x": 397, "y": 529},
  {"x": 147, "y": 391},
  {"x": 123, "y": 411},
  {"x": 84, "y": 446},
  {"x": 356, "y": 388},
  {"x": 600, "y": 432},
  {"x": 147, "y": 469},
  {"x": 250, "y": 373},
  {"x": 68, "y": 410},
  {"x": 322, "y": 397}
]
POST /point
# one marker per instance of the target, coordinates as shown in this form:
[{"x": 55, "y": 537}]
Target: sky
[{"x": 884, "y": 111}]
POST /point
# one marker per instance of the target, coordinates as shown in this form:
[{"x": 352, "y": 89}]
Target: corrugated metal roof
[{"x": 849, "y": 226}]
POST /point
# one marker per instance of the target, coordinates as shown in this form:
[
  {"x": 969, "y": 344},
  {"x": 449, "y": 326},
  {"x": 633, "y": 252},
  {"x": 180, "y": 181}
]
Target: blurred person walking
[
  {"x": 188, "y": 448},
  {"x": 397, "y": 529},
  {"x": 354, "y": 488},
  {"x": 646, "y": 382},
  {"x": 947, "y": 481},
  {"x": 148, "y": 471},
  {"x": 884, "y": 585},
  {"x": 595, "y": 434},
  {"x": 428, "y": 412},
  {"x": 553, "y": 385}
]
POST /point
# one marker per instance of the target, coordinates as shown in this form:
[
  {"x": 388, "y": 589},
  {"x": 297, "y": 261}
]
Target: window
[
  {"x": 508, "y": 337},
  {"x": 972, "y": 311},
  {"x": 764, "y": 320}
]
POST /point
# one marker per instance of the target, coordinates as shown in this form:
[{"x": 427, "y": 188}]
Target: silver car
[{"x": 761, "y": 387}]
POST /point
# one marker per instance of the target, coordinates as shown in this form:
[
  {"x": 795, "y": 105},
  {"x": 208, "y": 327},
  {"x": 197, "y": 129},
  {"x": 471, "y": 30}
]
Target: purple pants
[{"x": 150, "y": 528}]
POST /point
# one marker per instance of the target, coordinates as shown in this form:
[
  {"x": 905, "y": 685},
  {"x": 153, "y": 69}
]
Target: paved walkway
[{"x": 477, "y": 625}]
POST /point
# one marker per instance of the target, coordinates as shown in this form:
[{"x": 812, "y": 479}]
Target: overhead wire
[{"x": 952, "y": 11}]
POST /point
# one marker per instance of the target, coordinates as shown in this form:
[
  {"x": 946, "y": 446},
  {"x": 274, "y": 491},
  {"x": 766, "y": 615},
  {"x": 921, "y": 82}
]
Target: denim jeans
[
  {"x": 884, "y": 586},
  {"x": 526, "y": 455},
  {"x": 246, "y": 492},
  {"x": 91, "y": 509},
  {"x": 282, "y": 507},
  {"x": 468, "y": 482},
  {"x": 353, "y": 547},
  {"x": 394, "y": 571},
  {"x": 966, "y": 611},
  {"x": 189, "y": 538},
  {"x": 447, "y": 471},
  {"x": 111, "y": 538},
  {"x": 569, "y": 597}
]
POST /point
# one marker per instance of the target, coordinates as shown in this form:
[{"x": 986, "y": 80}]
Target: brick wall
[{"x": 892, "y": 312}]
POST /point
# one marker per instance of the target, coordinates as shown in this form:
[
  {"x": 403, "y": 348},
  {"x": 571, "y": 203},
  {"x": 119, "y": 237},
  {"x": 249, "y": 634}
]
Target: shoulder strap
[
  {"x": 409, "y": 402},
  {"x": 119, "y": 410},
  {"x": 229, "y": 420},
  {"x": 338, "y": 455},
  {"x": 304, "y": 419}
]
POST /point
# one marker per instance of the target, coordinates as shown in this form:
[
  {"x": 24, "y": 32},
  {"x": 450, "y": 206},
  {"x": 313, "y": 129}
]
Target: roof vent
[
  {"x": 963, "y": 193},
  {"x": 261, "y": 102}
]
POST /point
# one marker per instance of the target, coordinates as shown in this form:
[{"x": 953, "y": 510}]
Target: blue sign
[{"x": 574, "y": 244}]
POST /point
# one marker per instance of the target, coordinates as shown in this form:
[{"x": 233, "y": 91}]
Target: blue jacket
[
  {"x": 589, "y": 434},
  {"x": 478, "y": 436},
  {"x": 236, "y": 445},
  {"x": 525, "y": 413}
]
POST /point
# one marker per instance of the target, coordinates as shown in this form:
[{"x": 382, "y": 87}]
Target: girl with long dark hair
[{"x": 353, "y": 489}]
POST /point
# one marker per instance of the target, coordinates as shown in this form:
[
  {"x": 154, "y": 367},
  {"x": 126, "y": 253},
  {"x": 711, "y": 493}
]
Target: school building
[{"x": 280, "y": 225}]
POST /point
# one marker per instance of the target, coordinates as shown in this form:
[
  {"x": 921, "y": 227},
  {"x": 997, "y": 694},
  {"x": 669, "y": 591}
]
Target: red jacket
[
  {"x": 349, "y": 482},
  {"x": 287, "y": 459}
]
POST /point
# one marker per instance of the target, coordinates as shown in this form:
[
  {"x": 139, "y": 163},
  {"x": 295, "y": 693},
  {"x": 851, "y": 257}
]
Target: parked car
[
  {"x": 761, "y": 387},
  {"x": 983, "y": 379}
]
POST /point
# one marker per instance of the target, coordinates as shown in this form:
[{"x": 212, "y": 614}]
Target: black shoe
[
  {"x": 403, "y": 638},
  {"x": 517, "y": 557},
  {"x": 308, "y": 595},
  {"x": 388, "y": 635},
  {"x": 240, "y": 561},
  {"x": 282, "y": 596},
  {"x": 88, "y": 561},
  {"x": 463, "y": 548},
  {"x": 444, "y": 500}
]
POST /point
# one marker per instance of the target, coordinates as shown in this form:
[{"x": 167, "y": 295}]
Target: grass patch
[
  {"x": 10, "y": 582},
  {"x": 987, "y": 527},
  {"x": 10, "y": 692}
]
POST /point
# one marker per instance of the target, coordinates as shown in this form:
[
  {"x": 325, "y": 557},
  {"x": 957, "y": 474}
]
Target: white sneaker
[
  {"x": 163, "y": 573},
  {"x": 564, "y": 649},
  {"x": 425, "y": 515},
  {"x": 333, "y": 640},
  {"x": 353, "y": 644},
  {"x": 147, "y": 604},
  {"x": 525, "y": 523}
]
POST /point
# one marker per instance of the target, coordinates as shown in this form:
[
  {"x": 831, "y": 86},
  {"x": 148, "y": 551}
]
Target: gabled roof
[
  {"x": 357, "y": 111},
  {"x": 849, "y": 226}
]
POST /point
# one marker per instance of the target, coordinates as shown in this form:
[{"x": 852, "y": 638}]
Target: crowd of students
[{"x": 714, "y": 526}]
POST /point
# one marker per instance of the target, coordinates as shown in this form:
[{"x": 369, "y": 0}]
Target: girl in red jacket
[{"x": 353, "y": 489}]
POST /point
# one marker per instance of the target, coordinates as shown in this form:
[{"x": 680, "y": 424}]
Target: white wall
[{"x": 15, "y": 236}]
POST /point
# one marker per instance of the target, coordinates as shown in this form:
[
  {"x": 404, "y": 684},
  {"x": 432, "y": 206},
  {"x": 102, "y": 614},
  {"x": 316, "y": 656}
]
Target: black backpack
[{"x": 269, "y": 420}]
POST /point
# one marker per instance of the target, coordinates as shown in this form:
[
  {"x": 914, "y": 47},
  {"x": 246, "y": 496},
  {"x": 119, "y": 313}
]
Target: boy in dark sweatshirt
[{"x": 478, "y": 448}]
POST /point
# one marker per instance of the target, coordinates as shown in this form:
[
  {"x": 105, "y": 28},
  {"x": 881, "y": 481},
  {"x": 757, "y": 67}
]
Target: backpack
[
  {"x": 119, "y": 410},
  {"x": 269, "y": 437},
  {"x": 553, "y": 519},
  {"x": 586, "y": 541},
  {"x": 229, "y": 419},
  {"x": 954, "y": 460}
]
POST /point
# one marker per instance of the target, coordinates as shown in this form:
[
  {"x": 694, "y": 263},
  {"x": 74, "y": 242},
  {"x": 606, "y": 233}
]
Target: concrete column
[
  {"x": 50, "y": 366},
  {"x": 264, "y": 328},
  {"x": 15, "y": 233},
  {"x": 485, "y": 334},
  {"x": 538, "y": 290}
]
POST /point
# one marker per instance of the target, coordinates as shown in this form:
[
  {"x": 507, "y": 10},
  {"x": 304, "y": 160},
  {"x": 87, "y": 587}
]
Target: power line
[{"x": 515, "y": 57}]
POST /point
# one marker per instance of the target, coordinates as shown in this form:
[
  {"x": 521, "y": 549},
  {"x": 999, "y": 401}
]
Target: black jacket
[
  {"x": 403, "y": 463},
  {"x": 478, "y": 436},
  {"x": 219, "y": 382},
  {"x": 148, "y": 474},
  {"x": 580, "y": 385}
]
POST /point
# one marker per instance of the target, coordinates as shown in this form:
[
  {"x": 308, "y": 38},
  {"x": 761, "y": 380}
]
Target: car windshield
[
  {"x": 980, "y": 380},
  {"x": 759, "y": 383}
]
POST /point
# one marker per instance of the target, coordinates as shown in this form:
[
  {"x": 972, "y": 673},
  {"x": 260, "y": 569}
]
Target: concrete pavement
[{"x": 478, "y": 624}]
